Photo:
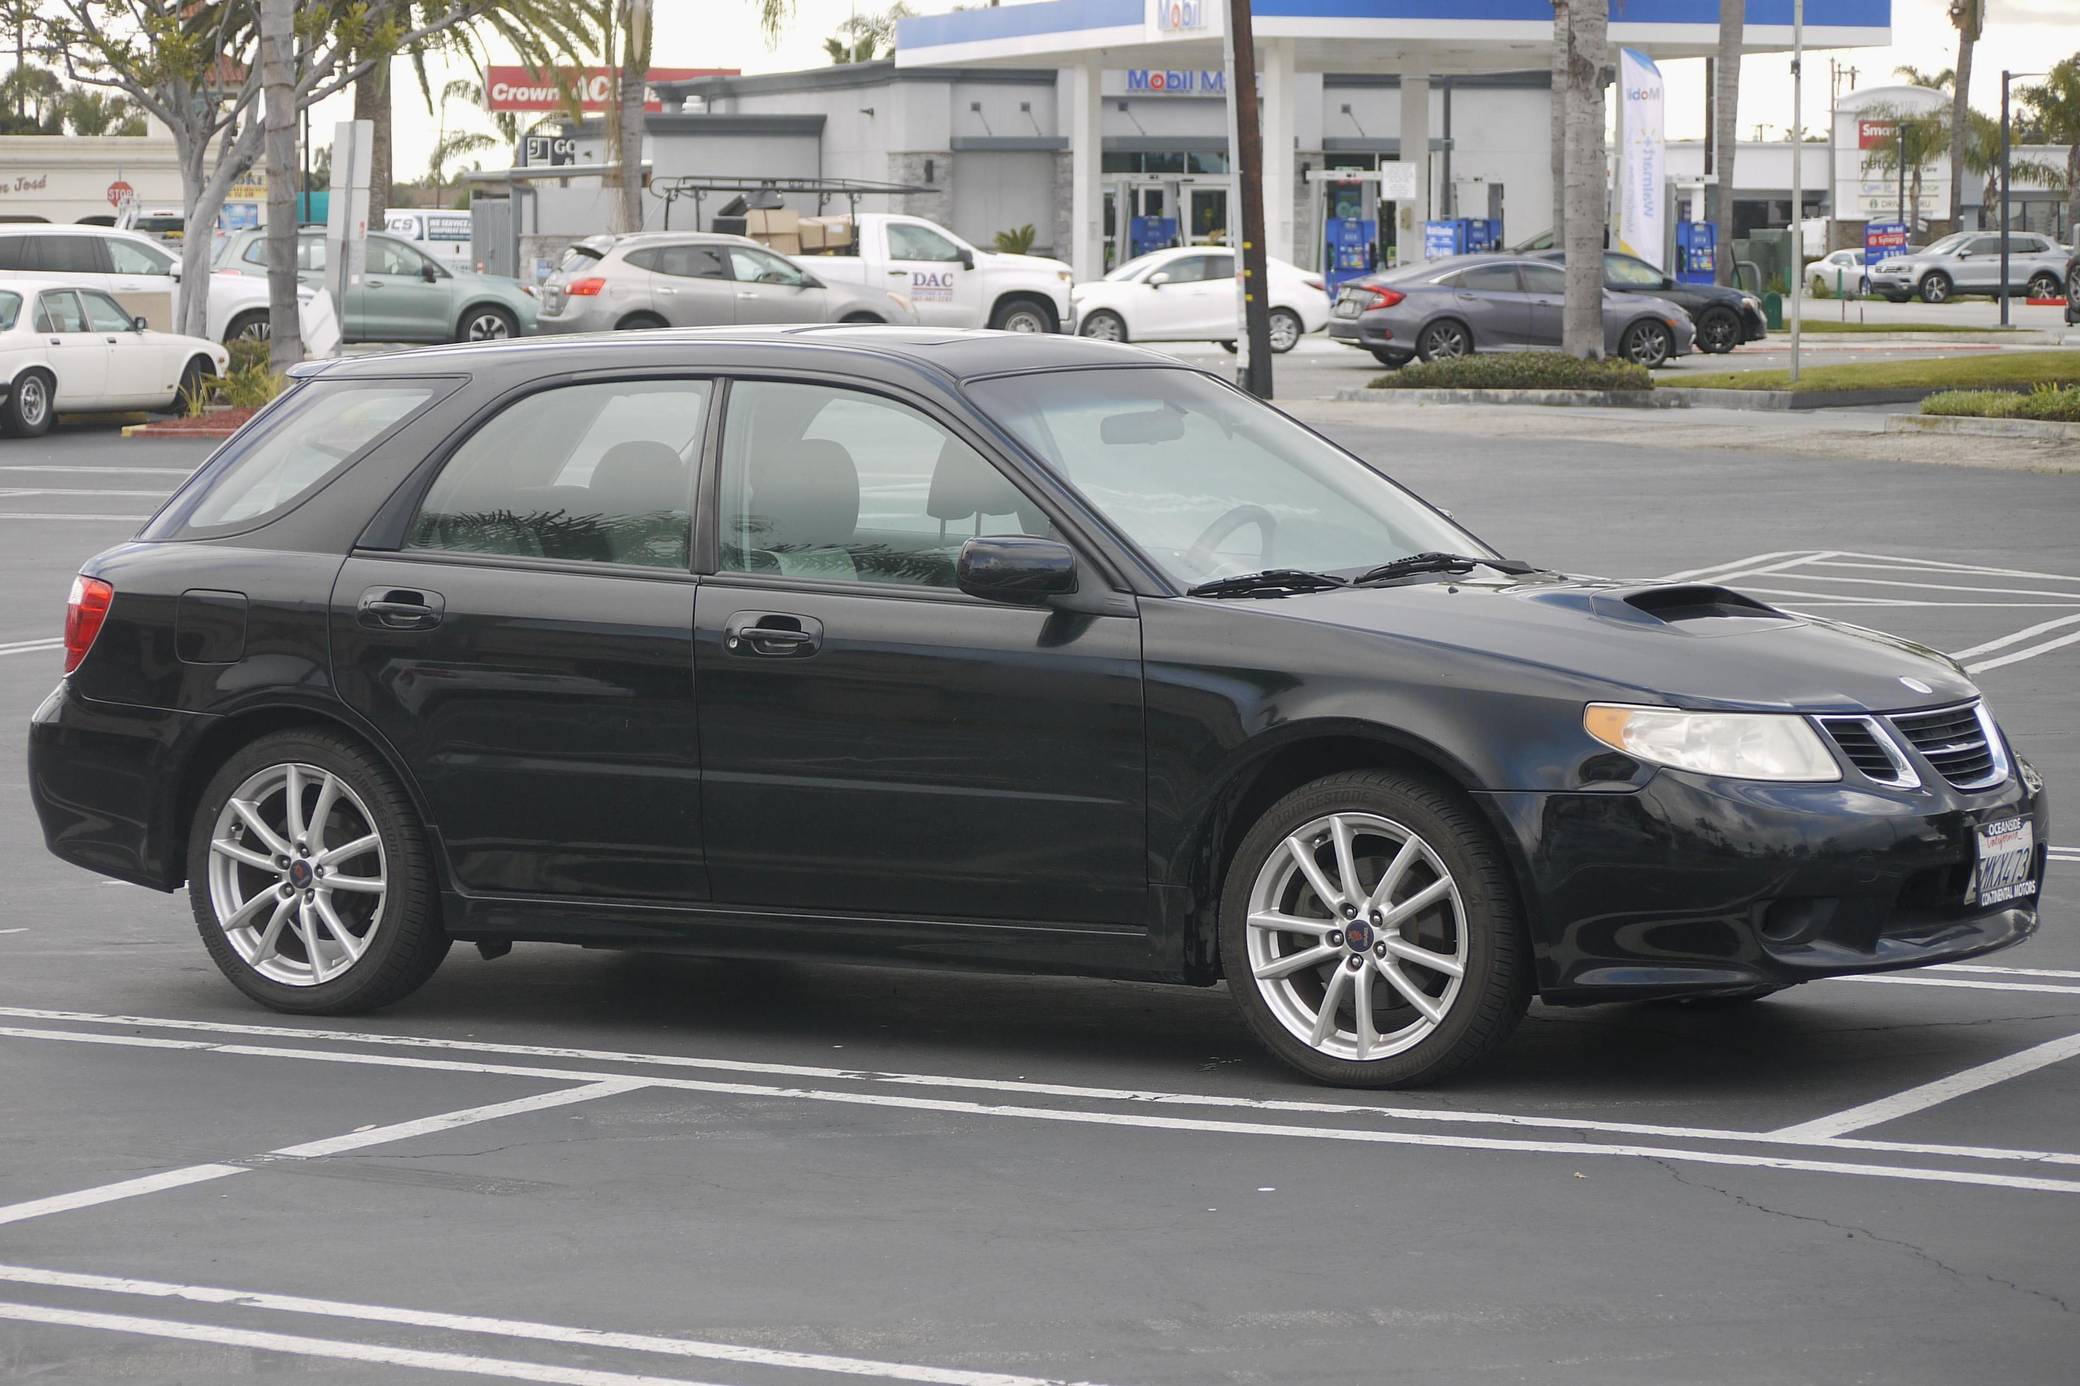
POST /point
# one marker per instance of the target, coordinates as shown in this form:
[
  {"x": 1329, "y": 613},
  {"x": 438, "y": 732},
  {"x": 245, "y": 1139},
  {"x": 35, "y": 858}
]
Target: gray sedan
[
  {"x": 698, "y": 279},
  {"x": 1469, "y": 303}
]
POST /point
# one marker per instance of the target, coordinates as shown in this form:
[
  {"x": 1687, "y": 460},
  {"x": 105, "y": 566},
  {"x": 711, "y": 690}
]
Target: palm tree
[
  {"x": 450, "y": 145},
  {"x": 87, "y": 112},
  {"x": 862, "y": 37},
  {"x": 1726, "y": 101},
  {"x": 1588, "y": 47},
  {"x": 1920, "y": 77},
  {"x": 2054, "y": 106},
  {"x": 1982, "y": 156},
  {"x": 33, "y": 98}
]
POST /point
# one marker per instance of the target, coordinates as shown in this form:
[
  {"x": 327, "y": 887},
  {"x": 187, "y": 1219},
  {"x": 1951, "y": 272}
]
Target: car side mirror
[
  {"x": 1159, "y": 279},
  {"x": 1015, "y": 568},
  {"x": 1667, "y": 282},
  {"x": 138, "y": 324},
  {"x": 967, "y": 259},
  {"x": 429, "y": 274}
]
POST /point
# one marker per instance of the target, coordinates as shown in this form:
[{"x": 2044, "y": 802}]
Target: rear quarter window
[{"x": 303, "y": 442}]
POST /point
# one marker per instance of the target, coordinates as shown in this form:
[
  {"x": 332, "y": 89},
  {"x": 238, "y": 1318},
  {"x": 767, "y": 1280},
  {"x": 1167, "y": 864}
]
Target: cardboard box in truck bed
[{"x": 825, "y": 234}]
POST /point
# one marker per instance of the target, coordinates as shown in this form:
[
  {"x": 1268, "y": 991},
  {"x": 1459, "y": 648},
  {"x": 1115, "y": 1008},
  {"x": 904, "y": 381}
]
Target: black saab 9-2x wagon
[{"x": 980, "y": 650}]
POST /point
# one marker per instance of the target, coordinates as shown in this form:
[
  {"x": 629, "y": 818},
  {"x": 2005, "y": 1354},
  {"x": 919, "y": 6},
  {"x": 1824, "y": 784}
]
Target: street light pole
[{"x": 1798, "y": 151}]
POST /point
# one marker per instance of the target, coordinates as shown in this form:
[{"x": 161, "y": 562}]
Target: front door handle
[
  {"x": 400, "y": 608},
  {"x": 772, "y": 634}
]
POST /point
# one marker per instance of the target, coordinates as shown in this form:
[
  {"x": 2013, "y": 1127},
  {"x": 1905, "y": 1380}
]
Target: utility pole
[
  {"x": 1246, "y": 141},
  {"x": 2006, "y": 77},
  {"x": 1798, "y": 160}
]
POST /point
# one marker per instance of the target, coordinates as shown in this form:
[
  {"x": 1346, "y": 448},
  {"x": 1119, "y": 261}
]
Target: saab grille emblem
[{"x": 1916, "y": 684}]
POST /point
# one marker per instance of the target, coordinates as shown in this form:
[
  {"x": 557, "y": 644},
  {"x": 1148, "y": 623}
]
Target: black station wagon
[{"x": 980, "y": 650}]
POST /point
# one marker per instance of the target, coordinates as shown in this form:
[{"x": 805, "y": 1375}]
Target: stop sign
[{"x": 117, "y": 191}]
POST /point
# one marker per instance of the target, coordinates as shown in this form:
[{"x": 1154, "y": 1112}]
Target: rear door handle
[
  {"x": 772, "y": 634},
  {"x": 400, "y": 608}
]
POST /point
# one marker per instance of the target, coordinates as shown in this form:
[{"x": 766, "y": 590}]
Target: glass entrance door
[{"x": 1206, "y": 215}]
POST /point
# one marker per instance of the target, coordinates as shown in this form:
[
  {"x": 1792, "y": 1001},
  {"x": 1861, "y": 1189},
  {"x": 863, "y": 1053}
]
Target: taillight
[
  {"x": 1381, "y": 298},
  {"x": 585, "y": 288},
  {"x": 1315, "y": 282},
  {"x": 85, "y": 610}
]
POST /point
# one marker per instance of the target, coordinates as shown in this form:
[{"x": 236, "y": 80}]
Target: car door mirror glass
[
  {"x": 1159, "y": 279},
  {"x": 1015, "y": 568},
  {"x": 138, "y": 324}
]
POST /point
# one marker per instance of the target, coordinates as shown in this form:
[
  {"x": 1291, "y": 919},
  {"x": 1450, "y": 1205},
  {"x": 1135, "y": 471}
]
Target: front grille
[
  {"x": 1865, "y": 745},
  {"x": 1958, "y": 742}
]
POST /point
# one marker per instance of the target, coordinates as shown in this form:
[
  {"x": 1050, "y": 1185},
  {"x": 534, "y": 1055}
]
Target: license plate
[
  {"x": 1346, "y": 308},
  {"x": 2007, "y": 863}
]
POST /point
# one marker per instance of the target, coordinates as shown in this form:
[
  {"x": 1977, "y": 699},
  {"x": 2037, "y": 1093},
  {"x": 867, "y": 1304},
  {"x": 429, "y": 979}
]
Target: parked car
[
  {"x": 1841, "y": 271},
  {"x": 144, "y": 276},
  {"x": 404, "y": 296},
  {"x": 981, "y": 649},
  {"x": 1969, "y": 262},
  {"x": 1724, "y": 318},
  {"x": 1469, "y": 303},
  {"x": 952, "y": 283},
  {"x": 1187, "y": 294},
  {"x": 696, "y": 279},
  {"x": 79, "y": 351}
]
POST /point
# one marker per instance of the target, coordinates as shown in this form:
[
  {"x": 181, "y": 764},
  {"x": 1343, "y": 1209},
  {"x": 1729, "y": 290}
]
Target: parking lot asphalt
[{"x": 599, "y": 1168}]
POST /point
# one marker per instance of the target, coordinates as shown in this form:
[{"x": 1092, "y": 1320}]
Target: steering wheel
[{"x": 1200, "y": 554}]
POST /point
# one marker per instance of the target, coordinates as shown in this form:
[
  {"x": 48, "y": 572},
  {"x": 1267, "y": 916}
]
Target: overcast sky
[{"x": 2023, "y": 35}]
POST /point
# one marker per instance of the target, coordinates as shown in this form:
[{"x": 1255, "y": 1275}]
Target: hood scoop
[
  {"x": 1696, "y": 603},
  {"x": 1691, "y": 608}
]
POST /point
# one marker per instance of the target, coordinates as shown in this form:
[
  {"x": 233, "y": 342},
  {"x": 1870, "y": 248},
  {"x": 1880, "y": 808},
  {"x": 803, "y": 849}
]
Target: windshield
[
  {"x": 1134, "y": 268},
  {"x": 1951, "y": 242},
  {"x": 1206, "y": 481}
]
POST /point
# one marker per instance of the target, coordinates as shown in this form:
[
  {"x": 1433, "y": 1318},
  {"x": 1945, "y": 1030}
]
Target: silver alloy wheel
[
  {"x": 1935, "y": 288},
  {"x": 32, "y": 399},
  {"x": 257, "y": 329},
  {"x": 1103, "y": 327},
  {"x": 1648, "y": 345},
  {"x": 1447, "y": 341},
  {"x": 1357, "y": 936},
  {"x": 2045, "y": 286},
  {"x": 279, "y": 881},
  {"x": 1024, "y": 320},
  {"x": 1285, "y": 332},
  {"x": 488, "y": 327}
]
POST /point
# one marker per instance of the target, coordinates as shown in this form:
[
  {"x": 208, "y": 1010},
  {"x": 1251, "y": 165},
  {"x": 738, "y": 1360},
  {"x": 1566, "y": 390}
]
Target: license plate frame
[{"x": 2004, "y": 866}]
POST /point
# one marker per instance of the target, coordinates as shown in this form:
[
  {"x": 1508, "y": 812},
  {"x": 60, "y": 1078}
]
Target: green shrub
[
  {"x": 1530, "y": 370},
  {"x": 250, "y": 388},
  {"x": 246, "y": 353},
  {"x": 1017, "y": 241},
  {"x": 2046, "y": 404}
]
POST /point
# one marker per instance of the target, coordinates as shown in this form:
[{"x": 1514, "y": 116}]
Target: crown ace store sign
[{"x": 520, "y": 88}]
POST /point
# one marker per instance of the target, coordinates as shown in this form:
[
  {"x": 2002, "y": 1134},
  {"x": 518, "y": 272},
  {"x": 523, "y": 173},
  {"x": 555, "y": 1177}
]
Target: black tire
[
  {"x": 1025, "y": 315},
  {"x": 249, "y": 327},
  {"x": 1718, "y": 331},
  {"x": 1391, "y": 360},
  {"x": 2046, "y": 285},
  {"x": 406, "y": 942},
  {"x": 486, "y": 322},
  {"x": 1648, "y": 344},
  {"x": 31, "y": 405},
  {"x": 1104, "y": 326},
  {"x": 640, "y": 322},
  {"x": 1444, "y": 340},
  {"x": 1496, "y": 986},
  {"x": 194, "y": 388},
  {"x": 1935, "y": 287}
]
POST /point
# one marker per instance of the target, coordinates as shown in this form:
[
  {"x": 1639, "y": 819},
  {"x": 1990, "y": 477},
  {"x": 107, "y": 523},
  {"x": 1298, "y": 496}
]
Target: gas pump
[
  {"x": 1697, "y": 249},
  {"x": 1350, "y": 225}
]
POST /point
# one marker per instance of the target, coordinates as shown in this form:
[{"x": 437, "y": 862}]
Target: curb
[
  {"x": 145, "y": 430},
  {"x": 1592, "y": 399},
  {"x": 1983, "y": 428}
]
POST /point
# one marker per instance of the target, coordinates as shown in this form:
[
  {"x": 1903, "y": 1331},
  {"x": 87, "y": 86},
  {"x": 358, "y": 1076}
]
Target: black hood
[{"x": 1676, "y": 644}]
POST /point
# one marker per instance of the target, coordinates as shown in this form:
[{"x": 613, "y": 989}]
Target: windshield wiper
[
  {"x": 1272, "y": 582},
  {"x": 1441, "y": 563}
]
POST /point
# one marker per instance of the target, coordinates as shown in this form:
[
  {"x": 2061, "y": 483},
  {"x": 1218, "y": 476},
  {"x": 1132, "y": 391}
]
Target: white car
[
  {"x": 66, "y": 348},
  {"x": 144, "y": 276},
  {"x": 1187, "y": 294}
]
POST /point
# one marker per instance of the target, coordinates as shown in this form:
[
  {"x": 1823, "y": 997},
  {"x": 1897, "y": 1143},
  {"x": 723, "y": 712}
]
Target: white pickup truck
[{"x": 952, "y": 283}]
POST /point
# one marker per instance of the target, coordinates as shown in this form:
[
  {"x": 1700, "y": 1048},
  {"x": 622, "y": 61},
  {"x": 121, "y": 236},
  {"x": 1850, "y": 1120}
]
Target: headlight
[
  {"x": 1751, "y": 301},
  {"x": 1064, "y": 275},
  {"x": 901, "y": 301},
  {"x": 1736, "y": 745}
]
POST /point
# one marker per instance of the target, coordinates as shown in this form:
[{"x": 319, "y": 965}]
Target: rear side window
[
  {"x": 308, "y": 438},
  {"x": 58, "y": 310},
  {"x": 597, "y": 473}
]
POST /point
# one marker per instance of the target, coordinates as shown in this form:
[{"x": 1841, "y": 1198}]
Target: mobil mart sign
[{"x": 521, "y": 88}]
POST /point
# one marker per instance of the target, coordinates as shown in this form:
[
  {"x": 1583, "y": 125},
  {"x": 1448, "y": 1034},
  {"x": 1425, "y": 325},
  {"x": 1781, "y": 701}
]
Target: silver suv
[
  {"x": 1969, "y": 262},
  {"x": 698, "y": 279}
]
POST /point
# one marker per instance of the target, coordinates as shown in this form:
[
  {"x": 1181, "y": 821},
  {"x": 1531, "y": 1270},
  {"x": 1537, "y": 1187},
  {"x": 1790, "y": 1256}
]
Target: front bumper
[
  {"x": 1894, "y": 283},
  {"x": 1690, "y": 885},
  {"x": 1754, "y": 327}
]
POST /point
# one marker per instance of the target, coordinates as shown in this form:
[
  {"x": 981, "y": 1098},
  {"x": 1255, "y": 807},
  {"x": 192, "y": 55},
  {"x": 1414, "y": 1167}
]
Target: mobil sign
[{"x": 520, "y": 88}]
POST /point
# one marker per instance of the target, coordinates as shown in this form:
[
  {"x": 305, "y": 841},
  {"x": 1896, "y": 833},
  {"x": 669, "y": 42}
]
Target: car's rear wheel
[
  {"x": 640, "y": 322},
  {"x": 1648, "y": 344},
  {"x": 1103, "y": 326},
  {"x": 1393, "y": 361},
  {"x": 1286, "y": 330},
  {"x": 2046, "y": 286},
  {"x": 486, "y": 323},
  {"x": 249, "y": 327},
  {"x": 1935, "y": 287},
  {"x": 1444, "y": 341},
  {"x": 309, "y": 877},
  {"x": 1718, "y": 331},
  {"x": 30, "y": 406},
  {"x": 1370, "y": 934}
]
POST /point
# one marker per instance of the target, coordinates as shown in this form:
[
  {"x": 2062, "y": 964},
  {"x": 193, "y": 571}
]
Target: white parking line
[
  {"x": 2027, "y": 652},
  {"x": 606, "y": 1086},
  {"x": 33, "y": 647},
  {"x": 1897, "y": 979},
  {"x": 2009, "y": 971},
  {"x": 2018, "y": 637},
  {"x": 10, "y": 468},
  {"x": 299, "y": 1346},
  {"x": 14, "y": 493},
  {"x": 65, "y": 515},
  {"x": 518, "y": 1328},
  {"x": 1942, "y": 1090},
  {"x": 1079, "y": 1116}
]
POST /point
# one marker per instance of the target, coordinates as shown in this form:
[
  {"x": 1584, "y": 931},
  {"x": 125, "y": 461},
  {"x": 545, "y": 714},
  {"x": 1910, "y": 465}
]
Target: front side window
[
  {"x": 1631, "y": 273},
  {"x": 59, "y": 311},
  {"x": 129, "y": 257},
  {"x": 842, "y": 485},
  {"x": 597, "y": 473},
  {"x": 1985, "y": 245},
  {"x": 1543, "y": 279},
  {"x": 908, "y": 242},
  {"x": 394, "y": 257},
  {"x": 752, "y": 266},
  {"x": 104, "y": 314},
  {"x": 1206, "y": 481},
  {"x": 310, "y": 436}
]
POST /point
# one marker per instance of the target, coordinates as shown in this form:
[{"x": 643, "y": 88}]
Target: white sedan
[
  {"x": 1187, "y": 294},
  {"x": 78, "y": 350}
]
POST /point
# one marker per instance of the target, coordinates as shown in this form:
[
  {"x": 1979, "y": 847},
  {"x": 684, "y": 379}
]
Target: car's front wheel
[
  {"x": 2046, "y": 286},
  {"x": 1718, "y": 331},
  {"x": 1370, "y": 933},
  {"x": 486, "y": 323},
  {"x": 1023, "y": 315},
  {"x": 1648, "y": 344},
  {"x": 1103, "y": 326},
  {"x": 309, "y": 877},
  {"x": 1935, "y": 288}
]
